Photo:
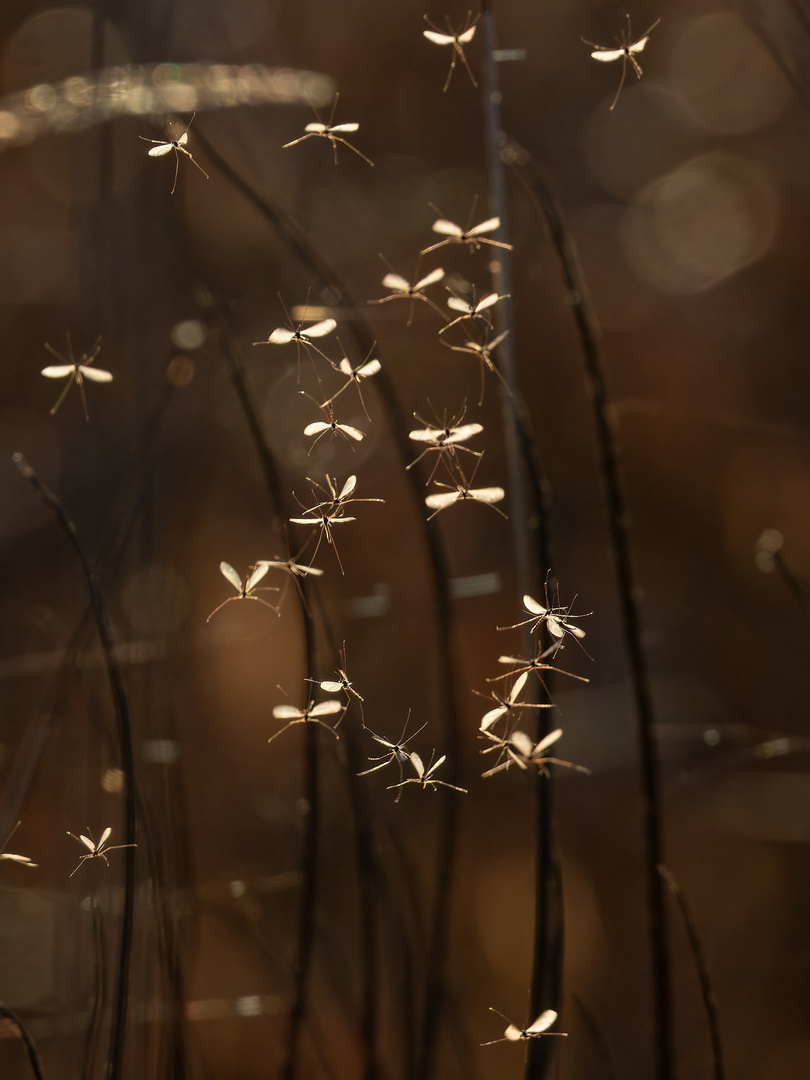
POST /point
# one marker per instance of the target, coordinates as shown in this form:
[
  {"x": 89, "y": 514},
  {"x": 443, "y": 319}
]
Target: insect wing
[
  {"x": 459, "y": 305},
  {"x": 431, "y": 435},
  {"x": 430, "y": 279},
  {"x": 320, "y": 329},
  {"x": 542, "y": 1023},
  {"x": 287, "y": 712},
  {"x": 607, "y": 55},
  {"x": 397, "y": 283},
  {"x": 95, "y": 374},
  {"x": 331, "y": 687},
  {"x": 418, "y": 764},
  {"x": 345, "y": 127},
  {"x": 522, "y": 743},
  {"x": 488, "y": 719},
  {"x": 486, "y": 226},
  {"x": 532, "y": 606},
  {"x": 368, "y": 369},
  {"x": 487, "y": 302},
  {"x": 513, "y": 1034},
  {"x": 88, "y": 843},
  {"x": 435, "y": 765},
  {"x": 326, "y": 708},
  {"x": 313, "y": 429},
  {"x": 316, "y": 127},
  {"x": 461, "y": 434},
  {"x": 441, "y": 500},
  {"x": 257, "y": 575},
  {"x": 105, "y": 836},
  {"x": 544, "y": 744},
  {"x": 348, "y": 488},
  {"x": 57, "y": 371},
  {"x": 228, "y": 572},
  {"x": 638, "y": 46},
  {"x": 487, "y": 495},
  {"x": 160, "y": 151},
  {"x": 352, "y": 432},
  {"x": 440, "y": 39},
  {"x": 447, "y": 228},
  {"x": 282, "y": 336},
  {"x": 517, "y": 689},
  {"x": 18, "y": 859},
  {"x": 304, "y": 570},
  {"x": 466, "y": 37}
]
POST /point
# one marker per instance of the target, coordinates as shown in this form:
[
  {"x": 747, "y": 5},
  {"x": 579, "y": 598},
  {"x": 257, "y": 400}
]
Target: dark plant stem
[
  {"x": 547, "y": 961},
  {"x": 706, "y": 987},
  {"x": 115, "y": 1056},
  {"x": 528, "y": 172},
  {"x": 27, "y": 1038},
  {"x": 448, "y": 707}
]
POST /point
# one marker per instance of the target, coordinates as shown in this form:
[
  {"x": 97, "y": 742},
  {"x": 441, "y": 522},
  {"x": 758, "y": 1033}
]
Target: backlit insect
[
  {"x": 354, "y": 376},
  {"x": 446, "y": 440},
  {"x": 472, "y": 237},
  {"x": 484, "y": 352},
  {"x": 295, "y": 570},
  {"x": 472, "y": 311},
  {"x": 76, "y": 371},
  {"x": 625, "y": 53},
  {"x": 458, "y": 39},
  {"x": 463, "y": 492},
  {"x": 536, "y": 665},
  {"x": 424, "y": 777},
  {"x": 337, "y": 500},
  {"x": 394, "y": 751},
  {"x": 321, "y": 428},
  {"x": 403, "y": 290},
  {"x": 23, "y": 860},
  {"x": 515, "y": 1034},
  {"x": 245, "y": 589},
  {"x": 556, "y": 620},
  {"x": 519, "y": 749},
  {"x": 325, "y": 521},
  {"x": 310, "y": 715},
  {"x": 284, "y": 335},
  {"x": 332, "y": 132},
  {"x": 163, "y": 147},
  {"x": 342, "y": 683},
  {"x": 509, "y": 704},
  {"x": 98, "y": 850}
]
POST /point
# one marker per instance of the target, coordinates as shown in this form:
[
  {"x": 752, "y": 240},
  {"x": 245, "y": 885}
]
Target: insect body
[
  {"x": 245, "y": 589},
  {"x": 508, "y": 704},
  {"x": 472, "y": 237},
  {"x": 76, "y": 371},
  {"x": 98, "y": 850},
  {"x": 483, "y": 350},
  {"x": 354, "y": 376},
  {"x": 284, "y": 335},
  {"x": 394, "y": 751},
  {"x": 311, "y": 714},
  {"x": 515, "y": 1034},
  {"x": 22, "y": 859},
  {"x": 556, "y": 619},
  {"x": 463, "y": 492},
  {"x": 626, "y": 53},
  {"x": 424, "y": 777},
  {"x": 458, "y": 39},
  {"x": 333, "y": 132},
  {"x": 403, "y": 290},
  {"x": 161, "y": 148},
  {"x": 471, "y": 311},
  {"x": 322, "y": 427}
]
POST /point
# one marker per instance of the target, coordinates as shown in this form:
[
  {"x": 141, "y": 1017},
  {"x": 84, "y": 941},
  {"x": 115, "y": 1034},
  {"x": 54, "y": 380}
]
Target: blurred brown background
[{"x": 688, "y": 205}]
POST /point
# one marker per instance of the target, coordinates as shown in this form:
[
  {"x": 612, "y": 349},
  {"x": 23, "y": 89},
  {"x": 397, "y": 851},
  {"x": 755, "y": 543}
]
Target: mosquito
[
  {"x": 22, "y": 859},
  {"x": 519, "y": 749},
  {"x": 458, "y": 39},
  {"x": 342, "y": 683},
  {"x": 472, "y": 237},
  {"x": 484, "y": 352},
  {"x": 325, "y": 521},
  {"x": 98, "y": 850},
  {"x": 424, "y": 777},
  {"x": 330, "y": 131},
  {"x": 311, "y": 714},
  {"x": 245, "y": 589},
  {"x": 472, "y": 311},
  {"x": 625, "y": 53},
  {"x": 556, "y": 620},
  {"x": 161, "y": 148},
  {"x": 321, "y": 428},
  {"x": 355, "y": 375},
  {"x": 403, "y": 290},
  {"x": 337, "y": 500},
  {"x": 76, "y": 371},
  {"x": 515, "y": 1034},
  {"x": 509, "y": 704},
  {"x": 394, "y": 751},
  {"x": 445, "y": 440},
  {"x": 463, "y": 492},
  {"x": 284, "y": 335},
  {"x": 536, "y": 665}
]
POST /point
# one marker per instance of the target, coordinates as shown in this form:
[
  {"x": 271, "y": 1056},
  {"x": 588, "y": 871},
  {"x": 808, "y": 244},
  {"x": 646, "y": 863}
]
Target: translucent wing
[
  {"x": 542, "y": 1023},
  {"x": 522, "y": 743},
  {"x": 88, "y": 843},
  {"x": 575, "y": 630},
  {"x": 447, "y": 228},
  {"x": 287, "y": 712},
  {"x": 459, "y": 305},
  {"x": 95, "y": 374},
  {"x": 18, "y": 859},
  {"x": 516, "y": 690},
  {"x": 326, "y": 708},
  {"x": 352, "y": 432},
  {"x": 183, "y": 140},
  {"x": 368, "y": 369},
  {"x": 313, "y": 429},
  {"x": 345, "y": 127},
  {"x": 331, "y": 687},
  {"x": 348, "y": 487},
  {"x": 256, "y": 576},
  {"x": 394, "y": 281},
  {"x": 555, "y": 627},
  {"x": 159, "y": 151},
  {"x": 105, "y": 836},
  {"x": 320, "y": 329},
  {"x": 488, "y": 719},
  {"x": 487, "y": 302},
  {"x": 299, "y": 569},
  {"x": 606, "y": 55},
  {"x": 441, "y": 500},
  {"x": 429, "y": 279},
  {"x": 436, "y": 764},
  {"x": 57, "y": 371},
  {"x": 638, "y": 46},
  {"x": 316, "y": 127},
  {"x": 512, "y": 1033},
  {"x": 465, "y": 431},
  {"x": 533, "y": 607},
  {"x": 440, "y": 39},
  {"x": 281, "y": 336},
  {"x": 425, "y": 435},
  {"x": 228, "y": 572},
  {"x": 544, "y": 744},
  {"x": 417, "y": 763},
  {"x": 467, "y": 36},
  {"x": 488, "y": 495},
  {"x": 486, "y": 226}
]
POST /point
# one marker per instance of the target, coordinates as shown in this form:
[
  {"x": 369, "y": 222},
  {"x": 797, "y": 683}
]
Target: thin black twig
[
  {"x": 706, "y": 986},
  {"x": 27, "y": 1038},
  {"x": 524, "y": 166},
  {"x": 115, "y": 1056}
]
